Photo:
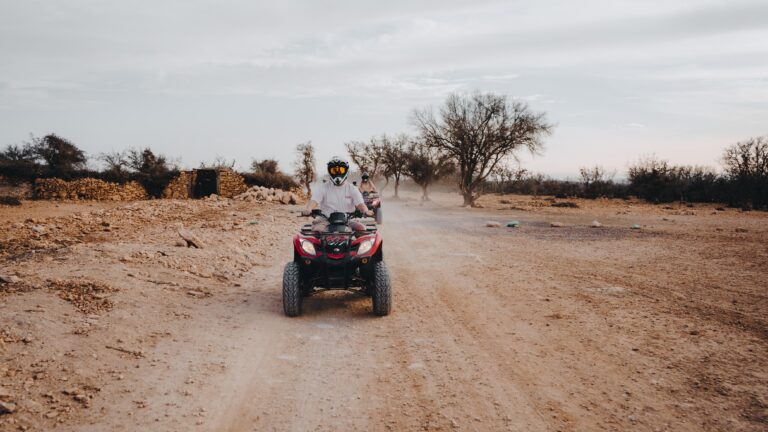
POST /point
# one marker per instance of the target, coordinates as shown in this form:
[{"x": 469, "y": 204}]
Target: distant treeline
[
  {"x": 53, "y": 156},
  {"x": 743, "y": 182}
]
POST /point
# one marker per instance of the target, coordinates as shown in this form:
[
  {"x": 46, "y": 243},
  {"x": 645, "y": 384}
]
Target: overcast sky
[{"x": 250, "y": 79}]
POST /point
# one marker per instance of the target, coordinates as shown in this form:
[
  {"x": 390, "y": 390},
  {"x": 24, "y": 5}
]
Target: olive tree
[{"x": 480, "y": 131}]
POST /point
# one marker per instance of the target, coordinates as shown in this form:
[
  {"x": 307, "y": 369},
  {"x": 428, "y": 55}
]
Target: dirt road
[{"x": 529, "y": 328}]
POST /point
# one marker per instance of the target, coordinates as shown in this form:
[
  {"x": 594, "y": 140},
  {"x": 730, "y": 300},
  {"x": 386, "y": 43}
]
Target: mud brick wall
[{"x": 88, "y": 189}]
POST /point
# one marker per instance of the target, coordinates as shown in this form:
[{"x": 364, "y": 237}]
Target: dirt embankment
[{"x": 111, "y": 323}]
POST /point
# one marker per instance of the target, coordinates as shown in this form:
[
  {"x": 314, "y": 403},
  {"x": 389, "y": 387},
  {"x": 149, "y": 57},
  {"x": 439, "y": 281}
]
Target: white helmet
[{"x": 338, "y": 169}]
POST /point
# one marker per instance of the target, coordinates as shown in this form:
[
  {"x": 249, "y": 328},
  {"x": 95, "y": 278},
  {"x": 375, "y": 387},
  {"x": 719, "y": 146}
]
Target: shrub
[
  {"x": 278, "y": 180},
  {"x": 267, "y": 173}
]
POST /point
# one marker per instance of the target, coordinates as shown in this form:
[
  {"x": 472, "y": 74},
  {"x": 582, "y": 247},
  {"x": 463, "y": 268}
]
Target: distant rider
[
  {"x": 336, "y": 196},
  {"x": 366, "y": 184}
]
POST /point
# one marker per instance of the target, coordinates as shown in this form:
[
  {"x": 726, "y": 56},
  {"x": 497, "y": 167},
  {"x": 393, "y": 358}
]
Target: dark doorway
[{"x": 206, "y": 183}]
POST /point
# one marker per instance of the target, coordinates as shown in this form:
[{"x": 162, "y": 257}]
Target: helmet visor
[{"x": 337, "y": 170}]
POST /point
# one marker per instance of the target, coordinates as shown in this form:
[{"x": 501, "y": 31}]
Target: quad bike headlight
[
  {"x": 365, "y": 246},
  {"x": 308, "y": 247}
]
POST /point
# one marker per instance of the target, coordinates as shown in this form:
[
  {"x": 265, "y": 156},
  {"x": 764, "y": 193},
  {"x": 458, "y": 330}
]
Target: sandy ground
[{"x": 113, "y": 326}]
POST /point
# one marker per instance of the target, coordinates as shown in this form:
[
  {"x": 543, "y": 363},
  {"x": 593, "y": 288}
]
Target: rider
[
  {"x": 336, "y": 196},
  {"x": 367, "y": 185}
]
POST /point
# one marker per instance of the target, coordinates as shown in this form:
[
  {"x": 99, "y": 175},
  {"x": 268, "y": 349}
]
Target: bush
[
  {"x": 266, "y": 173},
  {"x": 656, "y": 181},
  {"x": 277, "y": 180}
]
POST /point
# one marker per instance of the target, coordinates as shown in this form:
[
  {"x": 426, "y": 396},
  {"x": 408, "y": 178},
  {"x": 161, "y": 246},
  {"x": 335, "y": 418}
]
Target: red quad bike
[
  {"x": 338, "y": 259},
  {"x": 373, "y": 202}
]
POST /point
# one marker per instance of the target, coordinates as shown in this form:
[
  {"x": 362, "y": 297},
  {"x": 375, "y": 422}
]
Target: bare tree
[
  {"x": 116, "y": 163},
  {"x": 479, "y": 132},
  {"x": 426, "y": 164},
  {"x": 746, "y": 164},
  {"x": 596, "y": 181},
  {"x": 508, "y": 176},
  {"x": 219, "y": 162},
  {"x": 368, "y": 157},
  {"x": 394, "y": 157},
  {"x": 305, "y": 165}
]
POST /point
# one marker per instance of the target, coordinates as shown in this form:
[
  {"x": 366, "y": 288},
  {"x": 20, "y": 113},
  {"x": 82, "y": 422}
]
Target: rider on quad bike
[
  {"x": 366, "y": 185},
  {"x": 336, "y": 251},
  {"x": 371, "y": 197},
  {"x": 336, "y": 196}
]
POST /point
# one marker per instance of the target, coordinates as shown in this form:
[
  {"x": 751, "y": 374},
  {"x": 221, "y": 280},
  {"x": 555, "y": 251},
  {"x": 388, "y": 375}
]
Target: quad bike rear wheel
[
  {"x": 382, "y": 290},
  {"x": 292, "y": 295}
]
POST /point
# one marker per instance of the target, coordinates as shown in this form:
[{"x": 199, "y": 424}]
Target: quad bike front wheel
[
  {"x": 292, "y": 295},
  {"x": 379, "y": 216},
  {"x": 382, "y": 290}
]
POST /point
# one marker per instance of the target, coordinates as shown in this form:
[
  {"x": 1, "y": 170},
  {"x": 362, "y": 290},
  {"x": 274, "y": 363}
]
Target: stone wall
[
  {"x": 180, "y": 187},
  {"x": 10, "y": 188},
  {"x": 230, "y": 184},
  {"x": 88, "y": 189}
]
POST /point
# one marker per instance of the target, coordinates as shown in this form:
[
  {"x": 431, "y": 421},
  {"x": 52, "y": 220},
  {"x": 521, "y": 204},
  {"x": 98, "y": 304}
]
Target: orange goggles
[{"x": 337, "y": 170}]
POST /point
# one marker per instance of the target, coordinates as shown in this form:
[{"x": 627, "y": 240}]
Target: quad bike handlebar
[{"x": 318, "y": 213}]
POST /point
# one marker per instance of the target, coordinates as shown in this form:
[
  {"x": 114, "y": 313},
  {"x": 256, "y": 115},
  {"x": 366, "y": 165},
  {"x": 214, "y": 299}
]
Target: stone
[
  {"x": 191, "y": 238},
  {"x": 10, "y": 279},
  {"x": 39, "y": 229},
  {"x": 556, "y": 224},
  {"x": 513, "y": 224},
  {"x": 596, "y": 224},
  {"x": 635, "y": 227},
  {"x": 492, "y": 224},
  {"x": 741, "y": 230},
  {"x": 7, "y": 407}
]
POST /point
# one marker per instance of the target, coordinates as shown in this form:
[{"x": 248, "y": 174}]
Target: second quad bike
[
  {"x": 337, "y": 259},
  {"x": 373, "y": 202}
]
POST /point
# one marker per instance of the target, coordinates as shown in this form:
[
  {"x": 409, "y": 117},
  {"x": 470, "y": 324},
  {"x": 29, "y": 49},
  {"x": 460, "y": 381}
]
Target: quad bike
[
  {"x": 373, "y": 202},
  {"x": 337, "y": 259}
]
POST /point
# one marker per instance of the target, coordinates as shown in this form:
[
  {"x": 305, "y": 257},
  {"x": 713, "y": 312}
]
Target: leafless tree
[
  {"x": 219, "y": 162},
  {"x": 507, "y": 176},
  {"x": 746, "y": 164},
  {"x": 305, "y": 165},
  {"x": 395, "y": 157},
  {"x": 596, "y": 181},
  {"x": 479, "y": 132},
  {"x": 368, "y": 157},
  {"x": 426, "y": 164},
  {"x": 116, "y": 163}
]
